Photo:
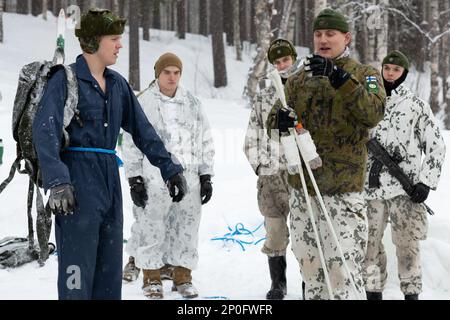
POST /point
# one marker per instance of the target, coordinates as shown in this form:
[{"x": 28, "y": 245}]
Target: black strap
[
  {"x": 15, "y": 166},
  {"x": 30, "y": 217},
  {"x": 374, "y": 174},
  {"x": 43, "y": 226}
]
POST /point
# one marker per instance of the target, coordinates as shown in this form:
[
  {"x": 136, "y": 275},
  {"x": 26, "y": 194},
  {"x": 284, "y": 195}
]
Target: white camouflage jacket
[
  {"x": 182, "y": 126},
  {"x": 408, "y": 128},
  {"x": 261, "y": 151}
]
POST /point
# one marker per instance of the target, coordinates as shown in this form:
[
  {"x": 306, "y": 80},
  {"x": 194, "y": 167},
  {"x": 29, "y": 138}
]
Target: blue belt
[{"x": 97, "y": 150}]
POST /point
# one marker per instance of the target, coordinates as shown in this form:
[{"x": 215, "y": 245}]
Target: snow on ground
[{"x": 224, "y": 270}]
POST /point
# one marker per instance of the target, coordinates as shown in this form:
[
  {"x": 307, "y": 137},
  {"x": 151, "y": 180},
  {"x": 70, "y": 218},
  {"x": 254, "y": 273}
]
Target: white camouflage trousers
[
  {"x": 408, "y": 225},
  {"x": 348, "y": 215},
  {"x": 166, "y": 232}
]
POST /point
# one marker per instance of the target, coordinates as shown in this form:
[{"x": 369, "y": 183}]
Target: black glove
[
  {"x": 62, "y": 200},
  {"x": 285, "y": 120},
  {"x": 138, "y": 191},
  {"x": 205, "y": 188},
  {"x": 320, "y": 66},
  {"x": 420, "y": 193},
  {"x": 177, "y": 181}
]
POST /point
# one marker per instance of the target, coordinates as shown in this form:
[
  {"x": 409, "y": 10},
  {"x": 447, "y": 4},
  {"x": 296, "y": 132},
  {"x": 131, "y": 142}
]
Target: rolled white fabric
[
  {"x": 291, "y": 153},
  {"x": 307, "y": 146}
]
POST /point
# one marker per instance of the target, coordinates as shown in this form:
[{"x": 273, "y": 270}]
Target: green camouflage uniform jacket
[{"x": 339, "y": 123}]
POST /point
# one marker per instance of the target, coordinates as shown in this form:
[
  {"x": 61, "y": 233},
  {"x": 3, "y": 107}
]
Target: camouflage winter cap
[
  {"x": 330, "y": 19},
  {"x": 100, "y": 22},
  {"x": 281, "y": 48},
  {"x": 397, "y": 58}
]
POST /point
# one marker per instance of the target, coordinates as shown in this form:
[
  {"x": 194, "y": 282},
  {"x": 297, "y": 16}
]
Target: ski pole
[
  {"x": 316, "y": 232},
  {"x": 327, "y": 218},
  {"x": 275, "y": 77}
]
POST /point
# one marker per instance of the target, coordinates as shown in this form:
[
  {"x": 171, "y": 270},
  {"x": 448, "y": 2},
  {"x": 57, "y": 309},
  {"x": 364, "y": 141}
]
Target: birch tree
[
  {"x": 287, "y": 10},
  {"x": 263, "y": 16},
  {"x": 434, "y": 58},
  {"x": 319, "y": 5}
]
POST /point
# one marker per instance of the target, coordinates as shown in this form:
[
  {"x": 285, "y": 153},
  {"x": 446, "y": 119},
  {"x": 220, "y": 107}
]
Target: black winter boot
[
  {"x": 277, "y": 267},
  {"x": 411, "y": 297},
  {"x": 374, "y": 295},
  {"x": 303, "y": 290}
]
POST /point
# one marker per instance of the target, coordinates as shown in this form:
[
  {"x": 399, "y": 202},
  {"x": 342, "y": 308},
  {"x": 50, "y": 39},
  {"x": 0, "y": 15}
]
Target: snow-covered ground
[{"x": 223, "y": 270}]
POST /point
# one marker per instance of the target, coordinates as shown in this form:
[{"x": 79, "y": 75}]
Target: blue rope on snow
[{"x": 240, "y": 230}]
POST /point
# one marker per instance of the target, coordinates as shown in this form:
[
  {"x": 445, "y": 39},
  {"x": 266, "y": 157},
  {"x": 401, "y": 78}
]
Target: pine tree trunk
[
  {"x": 134, "y": 18},
  {"x": 276, "y": 18},
  {"x": 309, "y": 17},
  {"x": 115, "y": 7},
  {"x": 1, "y": 20},
  {"x": 362, "y": 40},
  {"x": 243, "y": 20},
  {"x": 248, "y": 20},
  {"x": 298, "y": 33},
  {"x": 287, "y": 10},
  {"x": 422, "y": 57},
  {"x": 156, "y": 14},
  {"x": 87, "y": 4},
  {"x": 44, "y": 9},
  {"x": 395, "y": 44},
  {"x": 253, "y": 21},
  {"x": 203, "y": 10},
  {"x": 145, "y": 14},
  {"x": 22, "y": 7},
  {"x": 194, "y": 18},
  {"x": 174, "y": 15},
  {"x": 181, "y": 19},
  {"x": 445, "y": 54},
  {"x": 434, "y": 58},
  {"x": 237, "y": 31},
  {"x": 228, "y": 20},
  {"x": 220, "y": 70},
  {"x": 122, "y": 8},
  {"x": 36, "y": 7},
  {"x": 263, "y": 18},
  {"x": 166, "y": 16}
]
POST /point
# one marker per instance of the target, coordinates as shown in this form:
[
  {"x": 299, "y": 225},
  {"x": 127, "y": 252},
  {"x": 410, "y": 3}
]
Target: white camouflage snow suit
[
  {"x": 166, "y": 232},
  {"x": 267, "y": 160},
  {"x": 410, "y": 130}
]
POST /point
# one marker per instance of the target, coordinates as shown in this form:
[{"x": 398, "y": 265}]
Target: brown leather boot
[
  {"x": 182, "y": 282},
  {"x": 152, "y": 286},
  {"x": 166, "y": 272}
]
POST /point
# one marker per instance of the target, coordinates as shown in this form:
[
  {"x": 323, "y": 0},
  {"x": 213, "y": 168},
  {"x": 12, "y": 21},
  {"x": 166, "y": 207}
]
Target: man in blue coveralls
[{"x": 85, "y": 191}]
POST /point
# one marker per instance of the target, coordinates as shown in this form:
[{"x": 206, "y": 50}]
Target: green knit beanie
[
  {"x": 281, "y": 48},
  {"x": 330, "y": 19},
  {"x": 397, "y": 58}
]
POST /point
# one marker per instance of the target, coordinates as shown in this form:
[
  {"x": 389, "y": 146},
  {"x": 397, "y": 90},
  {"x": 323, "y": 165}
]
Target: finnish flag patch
[{"x": 372, "y": 84}]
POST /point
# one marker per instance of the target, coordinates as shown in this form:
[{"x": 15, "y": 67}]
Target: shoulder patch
[{"x": 372, "y": 85}]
